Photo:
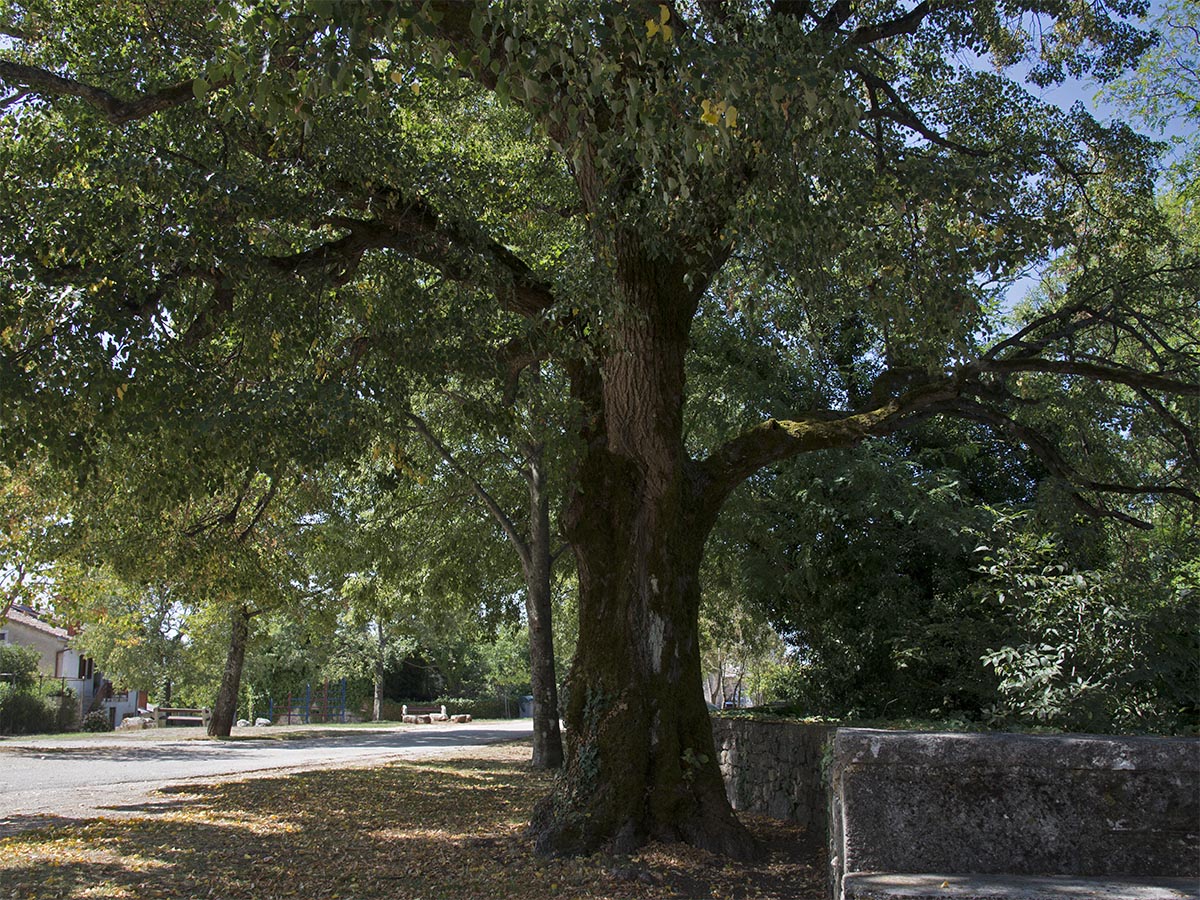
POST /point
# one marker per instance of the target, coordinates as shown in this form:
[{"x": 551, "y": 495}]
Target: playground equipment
[{"x": 326, "y": 704}]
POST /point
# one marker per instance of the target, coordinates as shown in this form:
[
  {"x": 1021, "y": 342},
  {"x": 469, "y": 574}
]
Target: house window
[
  {"x": 3, "y": 637},
  {"x": 85, "y": 667}
]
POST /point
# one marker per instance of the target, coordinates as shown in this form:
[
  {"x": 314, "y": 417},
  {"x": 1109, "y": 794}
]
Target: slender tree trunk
[
  {"x": 536, "y": 565},
  {"x": 380, "y": 668},
  {"x": 224, "y": 711},
  {"x": 641, "y": 762},
  {"x": 547, "y": 737}
]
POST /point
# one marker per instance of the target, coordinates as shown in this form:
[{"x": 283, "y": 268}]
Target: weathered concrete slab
[
  {"x": 869, "y": 886},
  {"x": 1015, "y": 804}
]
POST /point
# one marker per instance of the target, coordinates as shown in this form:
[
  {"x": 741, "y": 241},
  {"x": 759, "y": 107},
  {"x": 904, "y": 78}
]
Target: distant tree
[{"x": 138, "y": 634}]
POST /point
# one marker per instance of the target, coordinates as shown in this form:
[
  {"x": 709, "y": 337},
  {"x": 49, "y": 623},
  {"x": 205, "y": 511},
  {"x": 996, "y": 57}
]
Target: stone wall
[{"x": 775, "y": 768}]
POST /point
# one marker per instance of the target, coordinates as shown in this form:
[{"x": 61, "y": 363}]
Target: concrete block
[
  {"x": 1015, "y": 804},
  {"x": 872, "y": 886}
]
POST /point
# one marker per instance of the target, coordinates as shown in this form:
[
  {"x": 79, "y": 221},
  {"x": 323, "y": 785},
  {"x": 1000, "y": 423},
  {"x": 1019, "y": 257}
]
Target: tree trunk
[
  {"x": 380, "y": 670},
  {"x": 547, "y": 738},
  {"x": 224, "y": 711},
  {"x": 641, "y": 762},
  {"x": 536, "y": 564}
]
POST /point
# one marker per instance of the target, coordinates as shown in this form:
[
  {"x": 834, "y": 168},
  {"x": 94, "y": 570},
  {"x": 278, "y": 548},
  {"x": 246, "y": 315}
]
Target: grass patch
[{"x": 442, "y": 828}]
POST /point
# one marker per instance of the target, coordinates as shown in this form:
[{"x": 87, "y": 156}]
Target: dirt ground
[{"x": 437, "y": 828}]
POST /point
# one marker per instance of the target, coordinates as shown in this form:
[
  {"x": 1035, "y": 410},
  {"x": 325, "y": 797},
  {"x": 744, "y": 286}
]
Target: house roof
[{"x": 23, "y": 615}]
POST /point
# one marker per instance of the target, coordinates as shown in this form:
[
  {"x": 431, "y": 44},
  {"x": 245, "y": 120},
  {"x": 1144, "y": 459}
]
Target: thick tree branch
[
  {"x": 1110, "y": 373},
  {"x": 837, "y": 16},
  {"x": 776, "y": 440},
  {"x": 904, "y": 24},
  {"x": 116, "y": 110},
  {"x": 1134, "y": 490},
  {"x": 410, "y": 225},
  {"x": 1045, "y": 451}
]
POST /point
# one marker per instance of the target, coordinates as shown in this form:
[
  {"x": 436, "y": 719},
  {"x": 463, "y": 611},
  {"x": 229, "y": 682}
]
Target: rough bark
[
  {"x": 224, "y": 711},
  {"x": 641, "y": 764},
  {"x": 547, "y": 736}
]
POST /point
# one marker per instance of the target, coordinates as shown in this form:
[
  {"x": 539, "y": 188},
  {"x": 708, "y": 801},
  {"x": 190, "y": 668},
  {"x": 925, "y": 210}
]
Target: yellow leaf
[
  {"x": 664, "y": 13},
  {"x": 416, "y": 87},
  {"x": 121, "y": 392},
  {"x": 396, "y": 76},
  {"x": 731, "y": 117},
  {"x": 651, "y": 28},
  {"x": 667, "y": 32}
]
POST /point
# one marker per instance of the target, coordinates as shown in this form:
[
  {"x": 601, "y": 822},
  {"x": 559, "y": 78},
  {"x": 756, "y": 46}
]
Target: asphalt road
[{"x": 49, "y": 780}]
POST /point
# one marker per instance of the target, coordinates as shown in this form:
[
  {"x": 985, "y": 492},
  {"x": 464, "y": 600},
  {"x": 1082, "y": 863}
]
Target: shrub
[
  {"x": 24, "y": 712},
  {"x": 97, "y": 720}
]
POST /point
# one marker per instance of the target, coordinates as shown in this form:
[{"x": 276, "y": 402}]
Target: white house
[{"x": 23, "y": 626}]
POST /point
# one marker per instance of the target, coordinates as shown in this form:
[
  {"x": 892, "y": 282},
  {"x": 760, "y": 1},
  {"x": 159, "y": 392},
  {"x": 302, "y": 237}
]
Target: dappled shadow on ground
[
  {"x": 442, "y": 828},
  {"x": 10, "y": 825}
]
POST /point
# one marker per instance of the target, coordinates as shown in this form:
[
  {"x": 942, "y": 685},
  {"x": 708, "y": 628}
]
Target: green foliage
[
  {"x": 97, "y": 721},
  {"x": 137, "y": 634},
  {"x": 1116, "y": 648},
  {"x": 19, "y": 665},
  {"x": 1030, "y": 639},
  {"x": 1163, "y": 92},
  {"x": 859, "y": 573}
]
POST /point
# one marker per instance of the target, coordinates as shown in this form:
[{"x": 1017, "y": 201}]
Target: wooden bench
[
  {"x": 1018, "y": 817},
  {"x": 167, "y": 716}
]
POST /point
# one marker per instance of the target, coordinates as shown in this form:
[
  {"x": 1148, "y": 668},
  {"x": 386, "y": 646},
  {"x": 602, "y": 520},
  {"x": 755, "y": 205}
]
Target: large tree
[{"x": 337, "y": 182}]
